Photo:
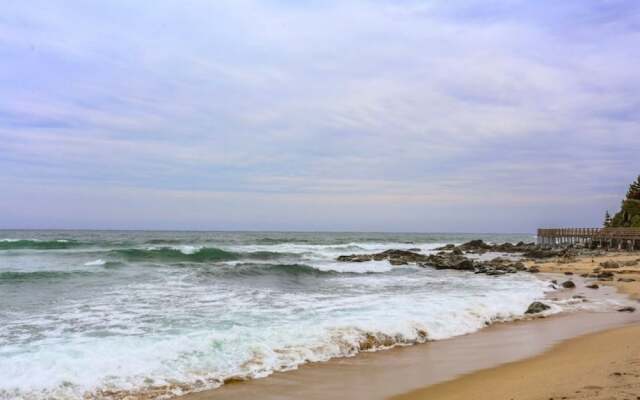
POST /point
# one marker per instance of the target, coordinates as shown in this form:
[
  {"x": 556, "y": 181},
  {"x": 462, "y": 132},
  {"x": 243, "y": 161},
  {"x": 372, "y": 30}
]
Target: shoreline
[
  {"x": 601, "y": 365},
  {"x": 410, "y": 370}
]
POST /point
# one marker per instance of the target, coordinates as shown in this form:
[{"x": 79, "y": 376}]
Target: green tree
[
  {"x": 634, "y": 190},
  {"x": 607, "y": 219},
  {"x": 629, "y": 214}
]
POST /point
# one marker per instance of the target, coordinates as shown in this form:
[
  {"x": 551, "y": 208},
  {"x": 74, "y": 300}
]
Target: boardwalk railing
[{"x": 620, "y": 238}]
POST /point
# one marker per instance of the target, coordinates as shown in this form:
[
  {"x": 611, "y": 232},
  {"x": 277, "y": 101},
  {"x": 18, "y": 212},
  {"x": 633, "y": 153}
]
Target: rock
[
  {"x": 609, "y": 264},
  {"x": 568, "y": 273},
  {"x": 568, "y": 285},
  {"x": 627, "y": 309},
  {"x": 631, "y": 263},
  {"x": 397, "y": 262},
  {"x": 626, "y": 280},
  {"x": 415, "y": 249},
  {"x": 457, "y": 252},
  {"x": 355, "y": 258},
  {"x": 534, "y": 270},
  {"x": 537, "y": 307},
  {"x": 593, "y": 286},
  {"x": 495, "y": 272},
  {"x": 475, "y": 244}
]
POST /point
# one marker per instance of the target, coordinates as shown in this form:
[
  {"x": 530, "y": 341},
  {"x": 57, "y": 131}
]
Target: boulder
[
  {"x": 627, "y": 309},
  {"x": 568, "y": 285},
  {"x": 537, "y": 307},
  {"x": 593, "y": 286}
]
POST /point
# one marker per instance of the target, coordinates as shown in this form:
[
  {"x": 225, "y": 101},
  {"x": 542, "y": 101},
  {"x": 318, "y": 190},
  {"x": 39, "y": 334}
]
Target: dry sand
[{"x": 604, "y": 365}]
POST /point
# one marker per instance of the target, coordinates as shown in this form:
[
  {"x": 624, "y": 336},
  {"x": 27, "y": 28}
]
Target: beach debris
[
  {"x": 537, "y": 307},
  {"x": 593, "y": 286},
  {"x": 568, "y": 285},
  {"x": 627, "y": 309}
]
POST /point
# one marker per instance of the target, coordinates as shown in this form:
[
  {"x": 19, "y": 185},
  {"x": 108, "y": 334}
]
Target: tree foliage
[{"x": 629, "y": 214}]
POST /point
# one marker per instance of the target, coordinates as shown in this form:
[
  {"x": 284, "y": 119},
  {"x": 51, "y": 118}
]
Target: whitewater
[{"x": 108, "y": 314}]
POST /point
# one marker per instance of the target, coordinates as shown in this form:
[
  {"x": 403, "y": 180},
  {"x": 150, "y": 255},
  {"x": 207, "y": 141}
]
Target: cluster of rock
[
  {"x": 453, "y": 259},
  {"x": 526, "y": 250},
  {"x": 604, "y": 271}
]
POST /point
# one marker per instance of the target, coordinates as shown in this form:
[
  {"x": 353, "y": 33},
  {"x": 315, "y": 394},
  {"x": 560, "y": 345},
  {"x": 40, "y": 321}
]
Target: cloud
[{"x": 489, "y": 105}]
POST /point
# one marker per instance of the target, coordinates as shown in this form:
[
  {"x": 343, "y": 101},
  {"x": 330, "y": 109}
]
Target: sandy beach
[{"x": 580, "y": 355}]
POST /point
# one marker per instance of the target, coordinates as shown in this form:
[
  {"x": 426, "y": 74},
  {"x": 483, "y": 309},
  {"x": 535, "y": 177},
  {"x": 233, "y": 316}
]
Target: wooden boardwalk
[{"x": 610, "y": 238}]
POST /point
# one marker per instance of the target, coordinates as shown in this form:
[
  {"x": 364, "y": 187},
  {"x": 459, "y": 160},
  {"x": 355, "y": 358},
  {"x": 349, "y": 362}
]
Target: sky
[{"x": 421, "y": 116}]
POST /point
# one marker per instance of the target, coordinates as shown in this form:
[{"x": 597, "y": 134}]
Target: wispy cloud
[{"x": 368, "y": 112}]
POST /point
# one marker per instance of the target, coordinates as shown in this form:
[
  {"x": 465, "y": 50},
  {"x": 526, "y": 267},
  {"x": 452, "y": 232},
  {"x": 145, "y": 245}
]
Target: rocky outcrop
[
  {"x": 527, "y": 250},
  {"x": 443, "y": 260},
  {"x": 537, "y": 307}
]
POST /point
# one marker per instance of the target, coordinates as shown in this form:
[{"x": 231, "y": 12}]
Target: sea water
[{"x": 89, "y": 314}]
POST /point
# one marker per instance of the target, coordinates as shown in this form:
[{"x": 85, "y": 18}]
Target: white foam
[
  {"x": 176, "y": 325},
  {"x": 95, "y": 262},
  {"x": 209, "y": 333}
]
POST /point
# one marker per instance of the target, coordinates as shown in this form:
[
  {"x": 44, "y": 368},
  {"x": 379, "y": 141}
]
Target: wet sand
[{"x": 419, "y": 370}]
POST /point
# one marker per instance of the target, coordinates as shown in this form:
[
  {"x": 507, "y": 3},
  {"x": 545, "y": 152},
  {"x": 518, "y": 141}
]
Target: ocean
[{"x": 107, "y": 314}]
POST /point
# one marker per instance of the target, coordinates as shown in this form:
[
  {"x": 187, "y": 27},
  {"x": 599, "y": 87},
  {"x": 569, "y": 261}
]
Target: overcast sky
[{"x": 476, "y": 116}]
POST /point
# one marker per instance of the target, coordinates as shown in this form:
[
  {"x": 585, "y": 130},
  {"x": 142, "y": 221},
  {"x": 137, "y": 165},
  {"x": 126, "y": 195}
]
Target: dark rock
[
  {"x": 477, "y": 244},
  {"x": 568, "y": 273},
  {"x": 626, "y": 280},
  {"x": 568, "y": 285},
  {"x": 534, "y": 270},
  {"x": 593, "y": 286},
  {"x": 536, "y": 307},
  {"x": 356, "y": 258},
  {"x": 627, "y": 309},
  {"x": 609, "y": 264}
]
